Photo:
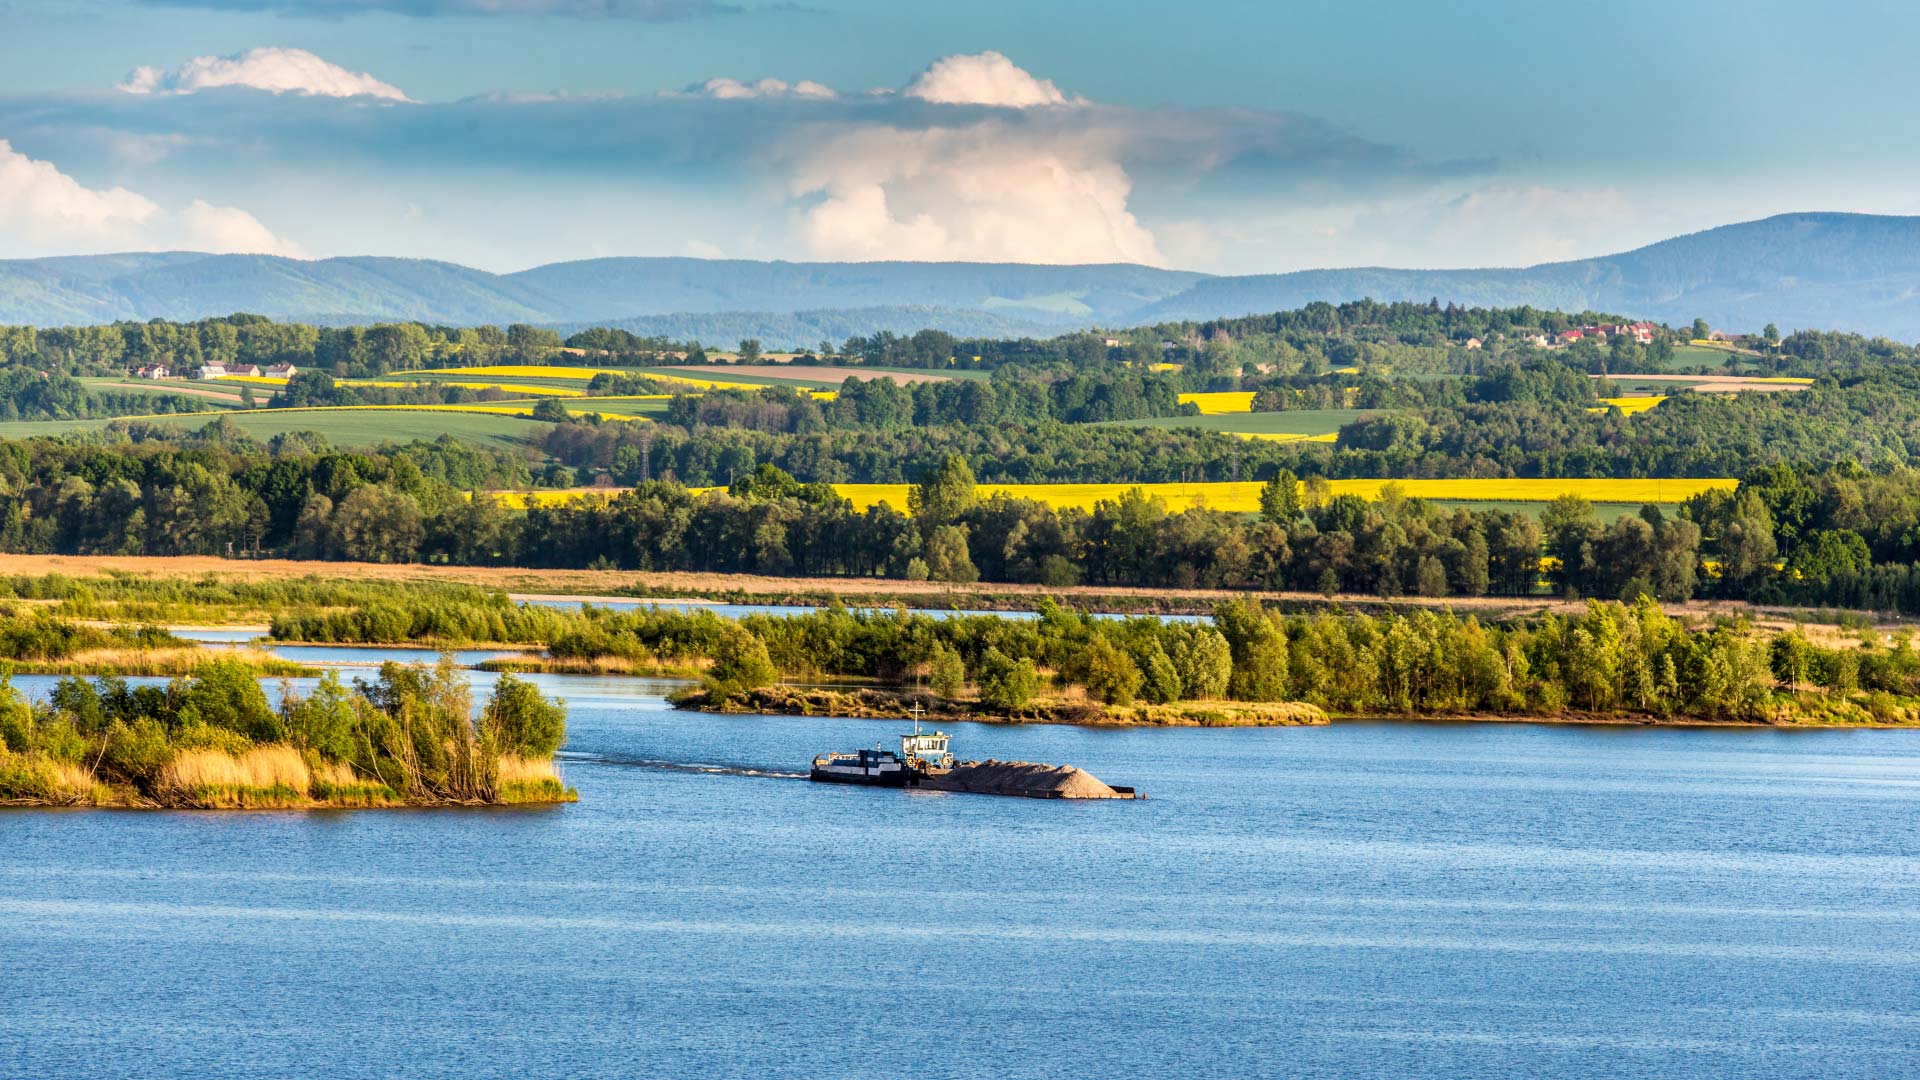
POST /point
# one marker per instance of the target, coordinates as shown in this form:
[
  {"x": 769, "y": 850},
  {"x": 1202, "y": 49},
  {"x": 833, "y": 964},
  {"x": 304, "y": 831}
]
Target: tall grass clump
[{"x": 264, "y": 776}]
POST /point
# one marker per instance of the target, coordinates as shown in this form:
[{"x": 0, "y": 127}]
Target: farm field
[
  {"x": 1307, "y": 422},
  {"x": 1244, "y": 496},
  {"x": 1216, "y": 403},
  {"x": 344, "y": 427},
  {"x": 1629, "y": 405},
  {"x": 200, "y": 393},
  {"x": 811, "y": 374},
  {"x": 1705, "y": 384}
]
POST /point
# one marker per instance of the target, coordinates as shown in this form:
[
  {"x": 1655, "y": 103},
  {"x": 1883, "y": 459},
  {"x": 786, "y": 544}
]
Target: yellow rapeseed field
[
  {"x": 544, "y": 391},
  {"x": 1629, "y": 405},
  {"x": 251, "y": 380},
  {"x": 1245, "y": 496},
  {"x": 1221, "y": 402},
  {"x": 1286, "y": 436},
  {"x": 582, "y": 374}
]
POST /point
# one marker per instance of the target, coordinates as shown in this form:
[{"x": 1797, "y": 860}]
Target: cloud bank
[
  {"x": 973, "y": 158},
  {"x": 270, "y": 68},
  {"x": 43, "y": 211}
]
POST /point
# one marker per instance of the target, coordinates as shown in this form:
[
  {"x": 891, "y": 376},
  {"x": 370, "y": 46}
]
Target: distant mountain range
[{"x": 1833, "y": 271}]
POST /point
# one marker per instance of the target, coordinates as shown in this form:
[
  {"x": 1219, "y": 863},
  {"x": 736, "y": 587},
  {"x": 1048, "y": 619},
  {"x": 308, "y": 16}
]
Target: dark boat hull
[{"x": 886, "y": 779}]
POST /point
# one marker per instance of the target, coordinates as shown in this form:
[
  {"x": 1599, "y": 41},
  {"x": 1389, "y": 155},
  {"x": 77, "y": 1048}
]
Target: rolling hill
[{"x": 1841, "y": 271}]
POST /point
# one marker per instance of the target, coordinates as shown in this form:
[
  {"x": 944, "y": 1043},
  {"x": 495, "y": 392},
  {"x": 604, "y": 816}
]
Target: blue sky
[{"x": 1224, "y": 136}]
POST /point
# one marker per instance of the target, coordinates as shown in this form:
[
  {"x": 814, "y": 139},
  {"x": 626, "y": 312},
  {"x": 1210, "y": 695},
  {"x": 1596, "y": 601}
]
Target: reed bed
[
  {"x": 531, "y": 780},
  {"x": 265, "y": 776},
  {"x": 169, "y": 662}
]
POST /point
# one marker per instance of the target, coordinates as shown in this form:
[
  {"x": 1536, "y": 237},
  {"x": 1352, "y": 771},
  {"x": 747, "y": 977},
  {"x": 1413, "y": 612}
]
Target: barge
[{"x": 925, "y": 760}]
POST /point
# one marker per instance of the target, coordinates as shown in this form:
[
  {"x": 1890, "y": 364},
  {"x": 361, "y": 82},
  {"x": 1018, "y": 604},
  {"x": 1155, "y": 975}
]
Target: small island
[{"x": 213, "y": 740}]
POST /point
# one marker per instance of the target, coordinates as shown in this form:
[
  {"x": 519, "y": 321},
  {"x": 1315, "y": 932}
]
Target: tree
[
  {"x": 1701, "y": 329},
  {"x": 946, "y": 674},
  {"x": 1006, "y": 684},
  {"x": 750, "y": 350},
  {"x": 944, "y": 494},
  {"x": 376, "y": 524},
  {"x": 1280, "y": 499},
  {"x": 740, "y": 663},
  {"x": 520, "y": 720},
  {"x": 551, "y": 411},
  {"x": 1108, "y": 673},
  {"x": 1202, "y": 660},
  {"x": 946, "y": 555}
]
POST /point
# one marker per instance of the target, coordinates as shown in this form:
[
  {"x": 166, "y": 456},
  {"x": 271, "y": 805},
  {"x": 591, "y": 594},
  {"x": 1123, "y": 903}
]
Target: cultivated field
[
  {"x": 1306, "y": 422},
  {"x": 1705, "y": 384},
  {"x": 1244, "y": 497},
  {"x": 1216, "y": 403},
  {"x": 343, "y": 427},
  {"x": 815, "y": 374}
]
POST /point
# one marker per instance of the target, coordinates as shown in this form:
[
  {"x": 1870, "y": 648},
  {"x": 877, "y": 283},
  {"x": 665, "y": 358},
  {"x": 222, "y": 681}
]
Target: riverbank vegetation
[
  {"x": 214, "y": 740},
  {"x": 1613, "y": 660},
  {"x": 40, "y": 642}
]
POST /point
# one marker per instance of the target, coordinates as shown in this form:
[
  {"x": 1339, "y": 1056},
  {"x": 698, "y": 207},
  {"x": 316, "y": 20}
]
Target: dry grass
[
  {"x": 530, "y": 780},
  {"x": 162, "y": 662},
  {"x": 598, "y": 665},
  {"x": 263, "y": 776},
  {"x": 35, "y": 780}
]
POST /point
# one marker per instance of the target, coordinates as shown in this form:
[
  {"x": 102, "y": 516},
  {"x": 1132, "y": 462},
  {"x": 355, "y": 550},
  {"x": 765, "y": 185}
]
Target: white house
[{"x": 282, "y": 371}]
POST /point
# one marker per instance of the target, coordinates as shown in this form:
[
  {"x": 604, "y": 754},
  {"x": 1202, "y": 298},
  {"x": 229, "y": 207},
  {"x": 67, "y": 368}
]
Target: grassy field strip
[
  {"x": 1244, "y": 497},
  {"x": 1219, "y": 403}
]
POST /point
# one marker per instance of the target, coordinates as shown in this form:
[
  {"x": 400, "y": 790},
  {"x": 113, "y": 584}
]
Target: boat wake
[{"x": 682, "y": 766}]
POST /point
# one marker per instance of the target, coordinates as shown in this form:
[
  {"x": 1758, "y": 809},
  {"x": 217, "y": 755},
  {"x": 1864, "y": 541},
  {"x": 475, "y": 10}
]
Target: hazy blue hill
[
  {"x": 837, "y": 324},
  {"x": 354, "y": 289},
  {"x": 600, "y": 289},
  {"x": 1838, "y": 271}
]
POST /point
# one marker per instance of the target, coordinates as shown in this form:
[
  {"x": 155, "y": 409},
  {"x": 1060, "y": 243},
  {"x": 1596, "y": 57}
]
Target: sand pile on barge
[{"x": 1024, "y": 778}]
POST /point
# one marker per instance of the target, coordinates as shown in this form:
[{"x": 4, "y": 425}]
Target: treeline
[
  {"x": 215, "y": 740},
  {"x": 28, "y": 394},
  {"x": 1612, "y": 659}
]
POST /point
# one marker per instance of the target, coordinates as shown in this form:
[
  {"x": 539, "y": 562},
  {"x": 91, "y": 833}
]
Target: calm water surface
[{"x": 1355, "y": 901}]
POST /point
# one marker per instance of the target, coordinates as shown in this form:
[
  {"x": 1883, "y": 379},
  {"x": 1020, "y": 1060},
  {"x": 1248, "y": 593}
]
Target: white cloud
[
  {"x": 983, "y": 192},
  {"x": 986, "y": 78},
  {"x": 267, "y": 67},
  {"x": 733, "y": 89},
  {"x": 43, "y": 211}
]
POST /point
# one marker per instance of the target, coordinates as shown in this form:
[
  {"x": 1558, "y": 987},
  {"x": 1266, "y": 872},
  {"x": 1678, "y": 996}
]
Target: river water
[{"x": 1390, "y": 899}]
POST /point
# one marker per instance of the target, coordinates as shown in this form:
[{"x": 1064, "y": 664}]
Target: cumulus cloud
[
  {"x": 983, "y": 192},
  {"x": 986, "y": 78},
  {"x": 725, "y": 89},
  {"x": 642, "y": 10},
  {"x": 973, "y": 158},
  {"x": 270, "y": 68},
  {"x": 45, "y": 211}
]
